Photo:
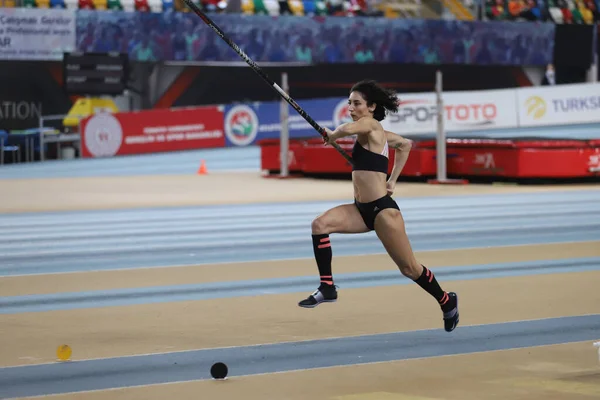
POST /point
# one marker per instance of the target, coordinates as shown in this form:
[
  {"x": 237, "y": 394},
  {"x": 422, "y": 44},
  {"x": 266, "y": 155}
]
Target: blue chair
[
  {"x": 168, "y": 5},
  {"x": 57, "y": 4},
  {"x": 6, "y": 147},
  {"x": 309, "y": 7}
]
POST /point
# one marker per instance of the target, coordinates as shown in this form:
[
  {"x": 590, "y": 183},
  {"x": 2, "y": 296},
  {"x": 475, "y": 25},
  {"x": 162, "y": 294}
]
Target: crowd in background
[{"x": 184, "y": 37}]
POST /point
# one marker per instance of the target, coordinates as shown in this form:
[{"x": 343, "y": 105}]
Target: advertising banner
[
  {"x": 36, "y": 34},
  {"x": 463, "y": 111},
  {"x": 559, "y": 105},
  {"x": 152, "y": 131},
  {"x": 244, "y": 124}
]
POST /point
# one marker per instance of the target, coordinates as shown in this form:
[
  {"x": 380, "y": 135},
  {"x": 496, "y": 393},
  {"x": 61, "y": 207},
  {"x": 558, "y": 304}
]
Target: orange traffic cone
[{"x": 202, "y": 170}]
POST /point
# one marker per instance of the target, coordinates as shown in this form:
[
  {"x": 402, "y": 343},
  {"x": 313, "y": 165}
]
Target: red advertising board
[{"x": 152, "y": 131}]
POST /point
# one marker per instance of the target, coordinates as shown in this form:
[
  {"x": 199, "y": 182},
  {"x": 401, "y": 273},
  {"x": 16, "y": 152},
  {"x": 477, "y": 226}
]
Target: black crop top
[{"x": 366, "y": 160}]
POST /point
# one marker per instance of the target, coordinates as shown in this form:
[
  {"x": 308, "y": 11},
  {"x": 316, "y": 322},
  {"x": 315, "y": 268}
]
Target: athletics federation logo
[
  {"x": 241, "y": 125},
  {"x": 341, "y": 115},
  {"x": 103, "y": 135},
  {"x": 536, "y": 107}
]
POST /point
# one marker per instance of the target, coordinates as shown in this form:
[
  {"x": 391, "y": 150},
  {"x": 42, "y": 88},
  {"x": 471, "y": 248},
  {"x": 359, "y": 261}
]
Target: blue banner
[
  {"x": 245, "y": 124},
  {"x": 177, "y": 36}
]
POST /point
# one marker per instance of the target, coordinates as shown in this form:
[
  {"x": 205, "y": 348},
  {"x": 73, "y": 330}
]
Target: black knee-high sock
[
  {"x": 428, "y": 282},
  {"x": 323, "y": 255}
]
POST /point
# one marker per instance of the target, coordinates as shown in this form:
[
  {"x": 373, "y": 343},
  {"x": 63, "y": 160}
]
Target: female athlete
[{"x": 373, "y": 208}]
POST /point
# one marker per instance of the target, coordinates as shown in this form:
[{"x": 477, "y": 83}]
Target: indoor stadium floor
[{"x": 150, "y": 281}]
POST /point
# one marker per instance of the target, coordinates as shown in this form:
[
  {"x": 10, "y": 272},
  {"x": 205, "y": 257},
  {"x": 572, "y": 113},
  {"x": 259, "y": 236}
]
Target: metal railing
[{"x": 57, "y": 138}]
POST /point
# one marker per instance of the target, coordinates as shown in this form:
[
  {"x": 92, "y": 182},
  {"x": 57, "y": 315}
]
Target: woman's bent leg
[
  {"x": 389, "y": 226},
  {"x": 340, "y": 219}
]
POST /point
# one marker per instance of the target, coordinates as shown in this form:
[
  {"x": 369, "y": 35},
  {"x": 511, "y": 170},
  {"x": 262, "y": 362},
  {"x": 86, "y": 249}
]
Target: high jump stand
[
  {"x": 284, "y": 136},
  {"x": 441, "y": 139}
]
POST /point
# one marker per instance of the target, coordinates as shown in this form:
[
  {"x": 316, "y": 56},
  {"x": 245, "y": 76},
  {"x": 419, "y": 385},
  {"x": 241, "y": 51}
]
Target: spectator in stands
[
  {"x": 143, "y": 51},
  {"x": 178, "y": 44},
  {"x": 462, "y": 45},
  {"x": 303, "y": 50},
  {"x": 549, "y": 78},
  {"x": 192, "y": 39},
  {"x": 429, "y": 50},
  {"x": 363, "y": 53}
]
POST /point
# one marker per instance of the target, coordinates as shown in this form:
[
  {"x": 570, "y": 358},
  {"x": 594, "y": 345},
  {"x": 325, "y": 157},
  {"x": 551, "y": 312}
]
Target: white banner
[
  {"x": 36, "y": 34},
  {"x": 463, "y": 111},
  {"x": 559, "y": 105}
]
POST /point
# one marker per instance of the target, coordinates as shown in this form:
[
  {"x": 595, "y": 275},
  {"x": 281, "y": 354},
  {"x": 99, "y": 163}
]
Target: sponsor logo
[
  {"x": 594, "y": 163},
  {"x": 423, "y": 111},
  {"x": 576, "y": 104},
  {"x": 472, "y": 114},
  {"x": 414, "y": 111},
  {"x": 486, "y": 160},
  {"x": 241, "y": 125},
  {"x": 103, "y": 135},
  {"x": 485, "y": 163},
  {"x": 536, "y": 107}
]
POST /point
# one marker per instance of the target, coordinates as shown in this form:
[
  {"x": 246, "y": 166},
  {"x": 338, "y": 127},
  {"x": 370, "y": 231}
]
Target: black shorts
[{"x": 369, "y": 211}]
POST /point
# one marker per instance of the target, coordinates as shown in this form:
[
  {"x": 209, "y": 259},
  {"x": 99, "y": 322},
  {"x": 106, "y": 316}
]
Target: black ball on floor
[{"x": 218, "y": 370}]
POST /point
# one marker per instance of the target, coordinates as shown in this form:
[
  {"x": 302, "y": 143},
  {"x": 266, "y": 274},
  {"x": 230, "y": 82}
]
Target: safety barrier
[{"x": 512, "y": 158}]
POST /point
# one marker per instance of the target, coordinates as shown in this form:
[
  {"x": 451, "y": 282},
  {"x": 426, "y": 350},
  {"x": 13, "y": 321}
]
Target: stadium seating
[
  {"x": 401, "y": 8},
  {"x": 85, "y": 4},
  {"x": 114, "y": 5},
  {"x": 253, "y": 7},
  {"x": 128, "y": 5},
  {"x": 557, "y": 11},
  {"x": 314, "y": 7}
]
